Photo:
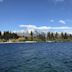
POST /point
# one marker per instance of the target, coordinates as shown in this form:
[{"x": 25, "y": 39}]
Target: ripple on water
[{"x": 36, "y": 57}]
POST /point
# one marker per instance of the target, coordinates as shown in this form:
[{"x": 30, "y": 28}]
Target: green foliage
[
  {"x": 31, "y": 34},
  {"x": 59, "y": 37},
  {"x": 8, "y": 35},
  {"x": 40, "y": 37},
  {"x": 22, "y": 39}
]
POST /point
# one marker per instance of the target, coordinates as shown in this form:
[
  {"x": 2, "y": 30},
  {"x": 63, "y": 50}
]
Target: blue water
[{"x": 36, "y": 57}]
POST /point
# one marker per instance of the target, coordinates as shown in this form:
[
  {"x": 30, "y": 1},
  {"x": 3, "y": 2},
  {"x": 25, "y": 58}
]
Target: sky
[{"x": 50, "y": 15}]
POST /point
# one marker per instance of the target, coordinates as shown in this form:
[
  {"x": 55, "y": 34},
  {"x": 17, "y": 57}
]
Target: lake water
[{"x": 36, "y": 57}]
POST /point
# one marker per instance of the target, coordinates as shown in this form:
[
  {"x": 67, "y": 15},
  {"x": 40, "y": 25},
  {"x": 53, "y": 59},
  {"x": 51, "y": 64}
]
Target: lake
[{"x": 36, "y": 57}]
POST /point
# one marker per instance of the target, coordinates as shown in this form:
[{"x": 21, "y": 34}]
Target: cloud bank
[{"x": 44, "y": 27}]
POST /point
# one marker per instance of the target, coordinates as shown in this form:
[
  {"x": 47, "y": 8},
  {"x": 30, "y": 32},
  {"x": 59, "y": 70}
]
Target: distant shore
[
  {"x": 9, "y": 37},
  {"x": 33, "y": 42},
  {"x": 26, "y": 42}
]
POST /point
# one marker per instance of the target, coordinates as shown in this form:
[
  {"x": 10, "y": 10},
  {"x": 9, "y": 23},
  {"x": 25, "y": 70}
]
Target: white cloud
[
  {"x": 51, "y": 20},
  {"x": 68, "y": 31},
  {"x": 62, "y": 21},
  {"x": 25, "y": 25},
  {"x": 61, "y": 28},
  {"x": 59, "y": 0},
  {"x": 33, "y": 27},
  {"x": 44, "y": 27},
  {"x": 28, "y": 26}
]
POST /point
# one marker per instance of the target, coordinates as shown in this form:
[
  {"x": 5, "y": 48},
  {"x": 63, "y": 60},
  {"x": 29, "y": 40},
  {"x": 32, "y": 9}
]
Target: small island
[{"x": 11, "y": 37}]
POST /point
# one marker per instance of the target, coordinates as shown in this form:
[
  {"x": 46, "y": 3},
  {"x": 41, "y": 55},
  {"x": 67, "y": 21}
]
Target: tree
[
  {"x": 52, "y": 36},
  {"x": 8, "y": 35},
  {"x": 65, "y": 36},
  {"x": 48, "y": 35},
  {"x": 0, "y": 35},
  {"x": 42, "y": 36},
  {"x": 14, "y": 35},
  {"x": 62, "y": 35},
  {"x": 56, "y": 35},
  {"x": 31, "y": 34},
  {"x": 70, "y": 36}
]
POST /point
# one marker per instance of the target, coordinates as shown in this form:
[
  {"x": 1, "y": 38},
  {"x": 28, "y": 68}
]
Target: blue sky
[{"x": 16, "y": 14}]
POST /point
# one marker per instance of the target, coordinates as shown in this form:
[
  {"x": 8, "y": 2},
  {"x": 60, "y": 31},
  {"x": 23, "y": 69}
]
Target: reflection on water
[{"x": 36, "y": 57}]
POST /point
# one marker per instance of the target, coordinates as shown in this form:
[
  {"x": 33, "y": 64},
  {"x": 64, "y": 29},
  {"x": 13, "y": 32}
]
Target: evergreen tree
[
  {"x": 42, "y": 36},
  {"x": 52, "y": 35},
  {"x": 31, "y": 35},
  {"x": 62, "y": 35},
  {"x": 65, "y": 36},
  {"x": 56, "y": 35},
  {"x": 0, "y": 35},
  {"x": 48, "y": 35}
]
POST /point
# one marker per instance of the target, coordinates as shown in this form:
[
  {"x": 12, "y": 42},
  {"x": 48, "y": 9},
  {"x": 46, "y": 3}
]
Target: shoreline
[
  {"x": 32, "y": 42},
  {"x": 18, "y": 42},
  {"x": 26, "y": 42}
]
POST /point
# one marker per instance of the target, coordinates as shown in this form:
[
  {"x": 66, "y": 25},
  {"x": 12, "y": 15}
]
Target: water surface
[{"x": 36, "y": 57}]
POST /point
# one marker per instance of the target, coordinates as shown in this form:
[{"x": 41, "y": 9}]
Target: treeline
[
  {"x": 50, "y": 36},
  {"x": 8, "y": 35},
  {"x": 59, "y": 36}
]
